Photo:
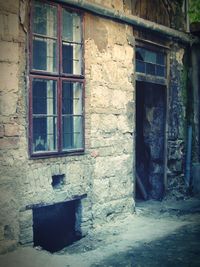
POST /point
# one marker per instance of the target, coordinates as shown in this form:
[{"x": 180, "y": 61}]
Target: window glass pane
[
  {"x": 140, "y": 54},
  {"x": 150, "y": 62},
  {"x": 44, "y": 19},
  {"x": 160, "y": 71},
  {"x": 150, "y": 68},
  {"x": 44, "y": 97},
  {"x": 44, "y": 100},
  {"x": 71, "y": 108},
  {"x": 72, "y": 137},
  {"x": 44, "y": 54},
  {"x": 72, "y": 98},
  {"x": 160, "y": 59},
  {"x": 44, "y": 134},
  {"x": 72, "y": 54},
  {"x": 71, "y": 27},
  {"x": 150, "y": 56},
  {"x": 140, "y": 66}
]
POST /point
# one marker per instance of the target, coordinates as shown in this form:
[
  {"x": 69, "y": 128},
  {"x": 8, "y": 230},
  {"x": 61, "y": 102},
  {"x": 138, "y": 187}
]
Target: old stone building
[{"x": 96, "y": 100}]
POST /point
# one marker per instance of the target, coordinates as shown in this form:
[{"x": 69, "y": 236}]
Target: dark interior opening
[
  {"x": 57, "y": 181},
  {"x": 54, "y": 226},
  {"x": 150, "y": 138}
]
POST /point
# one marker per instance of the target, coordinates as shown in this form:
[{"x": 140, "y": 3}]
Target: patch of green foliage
[{"x": 194, "y": 10}]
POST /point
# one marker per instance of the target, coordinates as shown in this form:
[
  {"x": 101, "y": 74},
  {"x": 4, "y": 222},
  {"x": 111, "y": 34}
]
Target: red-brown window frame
[{"x": 59, "y": 76}]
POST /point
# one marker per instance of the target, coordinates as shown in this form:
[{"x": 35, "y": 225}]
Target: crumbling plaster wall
[{"x": 105, "y": 171}]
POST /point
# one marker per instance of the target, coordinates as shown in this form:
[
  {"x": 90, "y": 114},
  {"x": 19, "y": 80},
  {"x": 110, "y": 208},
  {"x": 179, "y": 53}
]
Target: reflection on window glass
[
  {"x": 44, "y": 37},
  {"x": 150, "y": 56},
  {"x": 150, "y": 62},
  {"x": 71, "y": 27},
  {"x": 44, "y": 54},
  {"x": 44, "y": 115},
  {"x": 45, "y": 19},
  {"x": 71, "y": 58},
  {"x": 71, "y": 44},
  {"x": 72, "y": 115}
]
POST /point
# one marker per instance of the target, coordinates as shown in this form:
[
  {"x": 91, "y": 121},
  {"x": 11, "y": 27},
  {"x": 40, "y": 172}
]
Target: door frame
[{"x": 156, "y": 80}]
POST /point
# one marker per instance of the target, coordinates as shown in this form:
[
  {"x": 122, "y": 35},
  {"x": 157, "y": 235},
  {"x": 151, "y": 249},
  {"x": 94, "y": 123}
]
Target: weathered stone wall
[
  {"x": 105, "y": 171},
  {"x": 109, "y": 86},
  {"x": 176, "y": 124}
]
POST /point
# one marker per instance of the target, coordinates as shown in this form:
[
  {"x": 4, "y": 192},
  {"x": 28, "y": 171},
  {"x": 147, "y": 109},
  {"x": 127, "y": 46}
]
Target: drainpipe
[
  {"x": 188, "y": 157},
  {"x": 131, "y": 20},
  {"x": 187, "y": 15}
]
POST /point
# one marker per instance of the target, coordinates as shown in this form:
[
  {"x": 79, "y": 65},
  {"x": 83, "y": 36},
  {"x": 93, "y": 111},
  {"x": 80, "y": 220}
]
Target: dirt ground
[{"x": 159, "y": 234}]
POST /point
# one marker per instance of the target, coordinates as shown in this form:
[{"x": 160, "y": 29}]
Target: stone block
[
  {"x": 120, "y": 187},
  {"x": 10, "y": 5},
  {"x": 111, "y": 166},
  {"x": 118, "y": 53},
  {"x": 9, "y": 29},
  {"x": 101, "y": 190},
  {"x": 26, "y": 219},
  {"x": 8, "y": 104},
  {"x": 9, "y": 143},
  {"x": 106, "y": 123},
  {"x": 26, "y": 236},
  {"x": 9, "y": 51},
  {"x": 1, "y": 232},
  {"x": 119, "y": 99},
  {"x": 96, "y": 73},
  {"x": 85, "y": 229},
  {"x": 100, "y": 97},
  {"x": 11, "y": 130},
  {"x": 122, "y": 124},
  {"x": 9, "y": 78},
  {"x": 1, "y": 131}
]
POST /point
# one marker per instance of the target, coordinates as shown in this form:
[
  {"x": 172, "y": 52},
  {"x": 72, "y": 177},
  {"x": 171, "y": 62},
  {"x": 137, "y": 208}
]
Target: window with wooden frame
[
  {"x": 150, "y": 62},
  {"x": 56, "y": 80}
]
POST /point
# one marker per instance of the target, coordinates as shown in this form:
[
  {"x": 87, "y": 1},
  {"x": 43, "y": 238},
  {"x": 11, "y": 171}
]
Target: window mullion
[{"x": 59, "y": 101}]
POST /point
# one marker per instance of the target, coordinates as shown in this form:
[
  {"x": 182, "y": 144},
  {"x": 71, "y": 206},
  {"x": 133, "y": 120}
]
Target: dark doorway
[
  {"x": 150, "y": 140},
  {"x": 54, "y": 226}
]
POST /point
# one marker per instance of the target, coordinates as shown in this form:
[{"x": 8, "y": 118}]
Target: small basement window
[{"x": 54, "y": 226}]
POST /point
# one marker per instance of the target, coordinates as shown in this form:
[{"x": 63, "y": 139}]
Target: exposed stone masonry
[{"x": 106, "y": 170}]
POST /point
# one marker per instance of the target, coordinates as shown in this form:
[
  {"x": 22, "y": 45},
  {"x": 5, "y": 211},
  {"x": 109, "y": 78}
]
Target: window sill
[
  {"x": 142, "y": 77},
  {"x": 57, "y": 155}
]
